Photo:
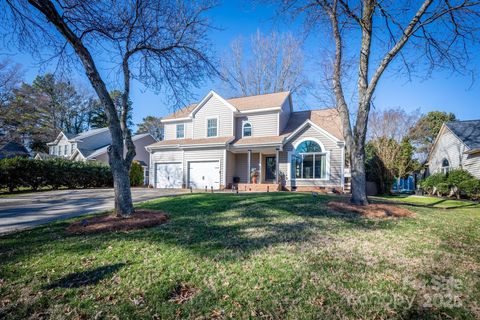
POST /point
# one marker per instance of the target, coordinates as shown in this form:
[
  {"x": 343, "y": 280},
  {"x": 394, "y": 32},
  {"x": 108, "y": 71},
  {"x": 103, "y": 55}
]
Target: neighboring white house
[
  {"x": 457, "y": 146},
  {"x": 219, "y": 142},
  {"x": 92, "y": 145}
]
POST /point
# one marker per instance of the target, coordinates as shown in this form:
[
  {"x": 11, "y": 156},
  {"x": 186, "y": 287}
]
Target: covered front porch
[{"x": 256, "y": 169}]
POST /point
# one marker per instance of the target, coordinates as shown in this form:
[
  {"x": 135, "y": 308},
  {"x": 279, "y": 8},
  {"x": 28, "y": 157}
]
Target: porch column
[
  {"x": 249, "y": 160},
  {"x": 276, "y": 166},
  {"x": 260, "y": 169}
]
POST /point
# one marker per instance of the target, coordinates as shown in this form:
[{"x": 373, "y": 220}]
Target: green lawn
[
  {"x": 432, "y": 202},
  {"x": 277, "y": 255}
]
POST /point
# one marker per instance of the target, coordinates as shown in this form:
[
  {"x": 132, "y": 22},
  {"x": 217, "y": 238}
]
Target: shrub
[
  {"x": 136, "y": 174},
  {"x": 455, "y": 178},
  {"x": 442, "y": 188},
  {"x": 432, "y": 181},
  {"x": 471, "y": 188},
  {"x": 54, "y": 173}
]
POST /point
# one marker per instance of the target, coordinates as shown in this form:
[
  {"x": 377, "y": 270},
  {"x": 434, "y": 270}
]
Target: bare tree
[
  {"x": 162, "y": 44},
  {"x": 276, "y": 64},
  {"x": 11, "y": 75},
  {"x": 438, "y": 32},
  {"x": 391, "y": 123}
]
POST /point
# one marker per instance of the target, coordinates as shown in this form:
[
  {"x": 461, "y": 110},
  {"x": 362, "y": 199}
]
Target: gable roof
[
  {"x": 90, "y": 154},
  {"x": 327, "y": 119},
  {"x": 467, "y": 131},
  {"x": 13, "y": 149},
  {"x": 247, "y": 103},
  {"x": 89, "y": 133},
  {"x": 78, "y": 137},
  {"x": 190, "y": 142}
]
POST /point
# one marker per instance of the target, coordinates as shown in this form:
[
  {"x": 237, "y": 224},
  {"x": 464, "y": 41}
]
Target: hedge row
[
  {"x": 456, "y": 182},
  {"x": 18, "y": 173}
]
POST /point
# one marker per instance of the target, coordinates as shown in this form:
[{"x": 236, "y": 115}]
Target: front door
[{"x": 270, "y": 166}]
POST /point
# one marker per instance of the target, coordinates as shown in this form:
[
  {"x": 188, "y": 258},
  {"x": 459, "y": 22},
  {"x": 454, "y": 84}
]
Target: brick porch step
[{"x": 258, "y": 187}]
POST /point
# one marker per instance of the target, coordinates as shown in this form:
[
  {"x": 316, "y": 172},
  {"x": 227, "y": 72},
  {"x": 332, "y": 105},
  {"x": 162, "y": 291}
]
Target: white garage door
[
  {"x": 169, "y": 175},
  {"x": 204, "y": 174}
]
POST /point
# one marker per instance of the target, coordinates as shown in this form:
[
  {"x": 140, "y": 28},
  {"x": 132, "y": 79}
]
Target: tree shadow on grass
[
  {"x": 226, "y": 225},
  {"x": 85, "y": 278}
]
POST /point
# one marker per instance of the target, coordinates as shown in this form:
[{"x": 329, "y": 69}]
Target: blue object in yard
[{"x": 404, "y": 185}]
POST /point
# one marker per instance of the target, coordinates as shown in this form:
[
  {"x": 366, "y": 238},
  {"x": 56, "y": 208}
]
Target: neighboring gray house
[
  {"x": 219, "y": 142},
  {"x": 92, "y": 145},
  {"x": 456, "y": 146},
  {"x": 13, "y": 149}
]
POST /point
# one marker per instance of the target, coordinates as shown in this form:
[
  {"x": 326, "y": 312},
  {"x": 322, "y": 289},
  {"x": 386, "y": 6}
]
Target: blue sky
[{"x": 442, "y": 91}]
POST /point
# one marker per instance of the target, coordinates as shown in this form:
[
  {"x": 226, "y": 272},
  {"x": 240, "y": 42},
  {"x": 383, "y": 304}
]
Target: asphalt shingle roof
[
  {"x": 468, "y": 131},
  {"x": 261, "y": 101}
]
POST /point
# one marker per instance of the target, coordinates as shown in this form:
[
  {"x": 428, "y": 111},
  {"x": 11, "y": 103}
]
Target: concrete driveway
[{"x": 27, "y": 210}]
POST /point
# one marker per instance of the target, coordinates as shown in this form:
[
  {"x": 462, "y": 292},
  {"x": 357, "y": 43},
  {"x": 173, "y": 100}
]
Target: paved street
[{"x": 27, "y": 210}]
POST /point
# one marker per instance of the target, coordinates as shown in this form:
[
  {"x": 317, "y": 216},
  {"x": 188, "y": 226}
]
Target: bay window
[{"x": 309, "y": 161}]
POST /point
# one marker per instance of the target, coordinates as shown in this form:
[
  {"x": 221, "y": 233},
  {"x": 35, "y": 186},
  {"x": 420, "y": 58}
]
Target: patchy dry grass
[{"x": 278, "y": 255}]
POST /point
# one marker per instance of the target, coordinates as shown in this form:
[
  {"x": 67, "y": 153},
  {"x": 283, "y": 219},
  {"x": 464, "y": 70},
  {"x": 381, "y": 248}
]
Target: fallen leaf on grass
[{"x": 182, "y": 293}]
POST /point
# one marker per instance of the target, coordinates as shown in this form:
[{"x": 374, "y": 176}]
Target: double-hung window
[
  {"x": 212, "y": 127},
  {"x": 180, "y": 131}
]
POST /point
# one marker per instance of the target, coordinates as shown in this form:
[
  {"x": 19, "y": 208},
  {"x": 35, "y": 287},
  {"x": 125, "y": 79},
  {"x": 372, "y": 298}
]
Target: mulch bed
[
  {"x": 371, "y": 210},
  {"x": 141, "y": 219}
]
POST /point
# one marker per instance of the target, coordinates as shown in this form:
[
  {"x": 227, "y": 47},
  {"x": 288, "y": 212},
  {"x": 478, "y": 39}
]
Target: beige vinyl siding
[
  {"x": 170, "y": 129},
  {"x": 164, "y": 156},
  {"x": 451, "y": 148},
  {"x": 230, "y": 167},
  {"x": 204, "y": 155},
  {"x": 241, "y": 165},
  {"x": 263, "y": 124},
  {"x": 213, "y": 108},
  {"x": 284, "y": 114},
  {"x": 283, "y": 166},
  {"x": 61, "y": 144},
  {"x": 335, "y": 172}
]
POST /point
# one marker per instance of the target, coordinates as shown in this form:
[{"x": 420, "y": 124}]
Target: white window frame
[
  {"x": 65, "y": 150},
  {"x": 176, "y": 130},
  {"x": 445, "y": 169},
  {"x": 324, "y": 152},
  {"x": 216, "y": 129},
  {"x": 243, "y": 128}
]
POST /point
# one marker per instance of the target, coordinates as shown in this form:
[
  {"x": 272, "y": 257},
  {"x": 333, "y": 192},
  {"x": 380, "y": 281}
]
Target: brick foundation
[{"x": 259, "y": 187}]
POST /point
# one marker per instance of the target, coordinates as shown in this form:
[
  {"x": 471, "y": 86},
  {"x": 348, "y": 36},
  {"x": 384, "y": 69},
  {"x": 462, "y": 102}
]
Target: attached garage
[
  {"x": 168, "y": 175},
  {"x": 203, "y": 174}
]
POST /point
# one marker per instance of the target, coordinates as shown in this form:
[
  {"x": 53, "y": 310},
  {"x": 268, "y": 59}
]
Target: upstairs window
[
  {"x": 212, "y": 126},
  {"x": 59, "y": 150},
  {"x": 247, "y": 129},
  {"x": 65, "y": 150},
  {"x": 180, "y": 131}
]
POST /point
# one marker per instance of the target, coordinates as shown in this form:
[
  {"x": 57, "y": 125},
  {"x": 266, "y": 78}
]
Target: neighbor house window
[
  {"x": 180, "y": 131},
  {"x": 247, "y": 129},
  {"x": 212, "y": 126},
  {"x": 59, "y": 150},
  {"x": 65, "y": 150},
  {"x": 445, "y": 166},
  {"x": 309, "y": 161}
]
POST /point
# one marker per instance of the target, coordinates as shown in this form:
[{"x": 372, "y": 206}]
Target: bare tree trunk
[
  {"x": 359, "y": 192},
  {"x": 120, "y": 170}
]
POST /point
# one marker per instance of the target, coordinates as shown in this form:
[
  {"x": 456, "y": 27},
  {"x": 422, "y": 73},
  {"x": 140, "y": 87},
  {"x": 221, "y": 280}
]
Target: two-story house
[
  {"x": 219, "y": 143},
  {"x": 92, "y": 145}
]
